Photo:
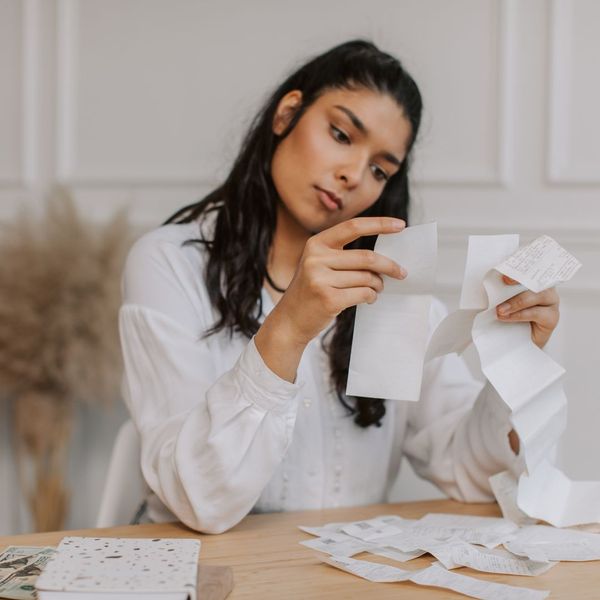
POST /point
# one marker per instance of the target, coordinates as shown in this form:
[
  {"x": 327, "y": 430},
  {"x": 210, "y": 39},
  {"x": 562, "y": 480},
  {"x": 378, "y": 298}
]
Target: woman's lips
[{"x": 329, "y": 200}]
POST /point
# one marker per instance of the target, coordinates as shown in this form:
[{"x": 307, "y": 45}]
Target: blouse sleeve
[
  {"x": 209, "y": 444},
  {"x": 457, "y": 434}
]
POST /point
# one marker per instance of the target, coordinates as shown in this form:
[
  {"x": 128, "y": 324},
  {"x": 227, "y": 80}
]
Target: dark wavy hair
[{"x": 246, "y": 203}]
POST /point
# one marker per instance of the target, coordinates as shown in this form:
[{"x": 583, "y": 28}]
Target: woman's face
[{"x": 335, "y": 162}]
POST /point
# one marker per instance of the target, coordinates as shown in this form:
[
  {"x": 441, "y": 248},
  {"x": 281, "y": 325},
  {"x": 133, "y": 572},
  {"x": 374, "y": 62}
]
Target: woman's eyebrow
[
  {"x": 355, "y": 120},
  {"x": 362, "y": 128}
]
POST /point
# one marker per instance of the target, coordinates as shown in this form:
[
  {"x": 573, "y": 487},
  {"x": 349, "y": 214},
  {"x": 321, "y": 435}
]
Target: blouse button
[{"x": 307, "y": 402}]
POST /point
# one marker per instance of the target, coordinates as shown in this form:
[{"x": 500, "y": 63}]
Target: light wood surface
[{"x": 268, "y": 562}]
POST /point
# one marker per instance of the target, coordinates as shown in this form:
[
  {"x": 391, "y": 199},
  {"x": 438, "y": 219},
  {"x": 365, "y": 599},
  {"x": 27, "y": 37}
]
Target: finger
[
  {"x": 364, "y": 260},
  {"x": 543, "y": 316},
  {"x": 353, "y": 296},
  {"x": 343, "y": 233},
  {"x": 528, "y": 299},
  {"x": 350, "y": 279},
  {"x": 509, "y": 281}
]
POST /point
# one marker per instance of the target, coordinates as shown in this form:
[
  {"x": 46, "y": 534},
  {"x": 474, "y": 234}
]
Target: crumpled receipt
[{"x": 524, "y": 376}]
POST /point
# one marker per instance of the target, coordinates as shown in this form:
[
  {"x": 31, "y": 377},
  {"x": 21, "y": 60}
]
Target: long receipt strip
[
  {"x": 526, "y": 378},
  {"x": 386, "y": 361},
  {"x": 390, "y": 336},
  {"x": 435, "y": 576}
]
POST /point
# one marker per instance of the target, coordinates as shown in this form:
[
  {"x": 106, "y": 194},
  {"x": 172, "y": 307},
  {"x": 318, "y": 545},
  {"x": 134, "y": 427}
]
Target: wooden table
[{"x": 268, "y": 561}]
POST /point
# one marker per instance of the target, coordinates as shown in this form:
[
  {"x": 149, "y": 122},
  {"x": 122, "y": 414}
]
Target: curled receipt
[{"x": 524, "y": 376}]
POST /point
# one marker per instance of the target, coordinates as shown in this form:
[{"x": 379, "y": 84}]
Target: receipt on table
[
  {"x": 368, "y": 570},
  {"x": 390, "y": 336},
  {"x": 486, "y": 531},
  {"x": 372, "y": 529},
  {"x": 435, "y": 576},
  {"x": 396, "y": 554},
  {"x": 541, "y": 542},
  {"x": 338, "y": 544},
  {"x": 496, "y": 560},
  {"x": 320, "y": 530}
]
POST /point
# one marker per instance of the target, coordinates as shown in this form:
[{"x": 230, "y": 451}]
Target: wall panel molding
[
  {"x": 500, "y": 173},
  {"x": 561, "y": 167},
  {"x": 28, "y": 70}
]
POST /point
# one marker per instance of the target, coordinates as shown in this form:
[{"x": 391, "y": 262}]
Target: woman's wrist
[{"x": 279, "y": 346}]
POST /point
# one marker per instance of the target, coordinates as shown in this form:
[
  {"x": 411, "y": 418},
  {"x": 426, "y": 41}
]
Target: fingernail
[
  {"x": 402, "y": 272},
  {"x": 398, "y": 224},
  {"x": 504, "y": 308}
]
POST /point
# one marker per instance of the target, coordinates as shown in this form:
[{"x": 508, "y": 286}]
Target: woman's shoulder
[
  {"x": 154, "y": 242},
  {"x": 161, "y": 264},
  {"x": 169, "y": 243}
]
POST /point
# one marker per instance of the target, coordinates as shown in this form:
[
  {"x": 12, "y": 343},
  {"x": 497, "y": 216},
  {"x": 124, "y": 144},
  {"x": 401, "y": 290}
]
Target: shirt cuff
[{"x": 264, "y": 387}]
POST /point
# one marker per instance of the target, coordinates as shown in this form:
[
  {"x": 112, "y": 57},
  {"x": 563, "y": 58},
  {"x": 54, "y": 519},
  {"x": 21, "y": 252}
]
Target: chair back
[{"x": 125, "y": 489}]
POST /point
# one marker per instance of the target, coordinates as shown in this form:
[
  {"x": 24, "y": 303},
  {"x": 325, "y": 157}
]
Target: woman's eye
[
  {"x": 339, "y": 135},
  {"x": 379, "y": 174}
]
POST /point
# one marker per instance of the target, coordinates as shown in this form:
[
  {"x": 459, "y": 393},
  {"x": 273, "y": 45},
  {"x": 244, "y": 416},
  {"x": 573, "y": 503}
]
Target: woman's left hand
[{"x": 541, "y": 310}]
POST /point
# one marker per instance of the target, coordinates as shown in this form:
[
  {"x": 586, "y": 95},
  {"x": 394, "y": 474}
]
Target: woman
[{"x": 238, "y": 317}]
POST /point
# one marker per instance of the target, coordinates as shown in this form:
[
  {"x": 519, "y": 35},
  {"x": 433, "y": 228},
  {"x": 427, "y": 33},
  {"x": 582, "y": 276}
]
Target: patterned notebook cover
[{"x": 88, "y": 564}]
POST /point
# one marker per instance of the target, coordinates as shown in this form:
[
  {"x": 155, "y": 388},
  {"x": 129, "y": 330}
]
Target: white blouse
[{"x": 222, "y": 435}]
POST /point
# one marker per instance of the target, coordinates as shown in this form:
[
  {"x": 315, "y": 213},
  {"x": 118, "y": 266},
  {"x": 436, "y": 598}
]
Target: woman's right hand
[{"x": 328, "y": 280}]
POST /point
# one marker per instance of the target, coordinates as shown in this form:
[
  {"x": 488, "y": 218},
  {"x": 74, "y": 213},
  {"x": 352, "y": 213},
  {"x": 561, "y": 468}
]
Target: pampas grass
[{"x": 59, "y": 300}]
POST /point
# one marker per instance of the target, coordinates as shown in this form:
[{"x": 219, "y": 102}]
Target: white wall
[{"x": 142, "y": 103}]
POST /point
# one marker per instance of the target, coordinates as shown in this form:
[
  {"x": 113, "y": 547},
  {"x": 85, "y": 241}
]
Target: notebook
[{"x": 96, "y": 568}]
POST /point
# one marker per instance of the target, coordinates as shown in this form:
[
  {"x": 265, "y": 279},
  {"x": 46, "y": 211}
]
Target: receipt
[
  {"x": 504, "y": 486},
  {"x": 454, "y": 333},
  {"x": 540, "y": 265},
  {"x": 548, "y": 494},
  {"x": 368, "y": 570},
  {"x": 396, "y": 554},
  {"x": 326, "y": 529},
  {"x": 483, "y": 253},
  {"x": 497, "y": 560},
  {"x": 371, "y": 530},
  {"x": 541, "y": 542},
  {"x": 435, "y": 576},
  {"x": 529, "y": 382},
  {"x": 390, "y": 336},
  {"x": 338, "y": 544},
  {"x": 525, "y": 377},
  {"x": 486, "y": 531}
]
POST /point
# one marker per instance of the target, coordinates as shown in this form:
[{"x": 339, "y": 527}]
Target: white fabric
[{"x": 222, "y": 435}]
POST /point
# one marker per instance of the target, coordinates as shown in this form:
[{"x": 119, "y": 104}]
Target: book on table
[{"x": 97, "y": 568}]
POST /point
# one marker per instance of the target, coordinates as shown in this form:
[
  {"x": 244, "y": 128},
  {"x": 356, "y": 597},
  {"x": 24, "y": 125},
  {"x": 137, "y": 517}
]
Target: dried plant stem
[{"x": 42, "y": 430}]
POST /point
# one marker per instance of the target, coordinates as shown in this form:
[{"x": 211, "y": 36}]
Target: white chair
[{"x": 125, "y": 488}]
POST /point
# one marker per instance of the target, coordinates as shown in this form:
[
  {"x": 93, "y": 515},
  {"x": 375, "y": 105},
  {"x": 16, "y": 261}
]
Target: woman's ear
[{"x": 286, "y": 109}]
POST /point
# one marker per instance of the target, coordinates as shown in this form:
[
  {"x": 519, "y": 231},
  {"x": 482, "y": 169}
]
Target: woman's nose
[{"x": 351, "y": 172}]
